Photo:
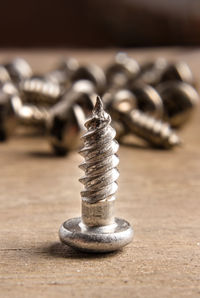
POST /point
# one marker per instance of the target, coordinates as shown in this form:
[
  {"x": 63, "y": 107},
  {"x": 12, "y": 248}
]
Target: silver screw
[
  {"x": 63, "y": 123},
  {"x": 154, "y": 131},
  {"x": 179, "y": 100},
  {"x": 38, "y": 90},
  {"x": 97, "y": 230},
  {"x": 18, "y": 69}
]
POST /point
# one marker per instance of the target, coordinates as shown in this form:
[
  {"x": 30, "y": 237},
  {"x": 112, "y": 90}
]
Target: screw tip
[{"x": 98, "y": 108}]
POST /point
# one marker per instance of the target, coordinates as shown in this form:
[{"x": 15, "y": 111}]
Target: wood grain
[{"x": 159, "y": 193}]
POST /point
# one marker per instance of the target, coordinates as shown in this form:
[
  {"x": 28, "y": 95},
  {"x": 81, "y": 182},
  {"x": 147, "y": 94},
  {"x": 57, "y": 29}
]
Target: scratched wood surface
[{"x": 159, "y": 193}]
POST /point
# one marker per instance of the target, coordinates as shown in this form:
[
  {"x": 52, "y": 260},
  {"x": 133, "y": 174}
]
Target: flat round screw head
[
  {"x": 121, "y": 71},
  {"x": 93, "y": 73},
  {"x": 179, "y": 101},
  {"x": 64, "y": 129},
  {"x": 179, "y": 71},
  {"x": 96, "y": 239},
  {"x": 148, "y": 100}
]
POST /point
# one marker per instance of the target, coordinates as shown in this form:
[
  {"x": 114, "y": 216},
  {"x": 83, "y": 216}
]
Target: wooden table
[{"x": 159, "y": 193}]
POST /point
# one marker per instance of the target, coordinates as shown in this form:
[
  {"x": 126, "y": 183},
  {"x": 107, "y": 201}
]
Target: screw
[
  {"x": 179, "y": 100},
  {"x": 93, "y": 73},
  {"x": 63, "y": 122},
  {"x": 7, "y": 116},
  {"x": 150, "y": 73},
  {"x": 98, "y": 230},
  {"x": 157, "y": 133},
  {"x": 18, "y": 70},
  {"x": 178, "y": 71},
  {"x": 66, "y": 122},
  {"x": 63, "y": 72},
  {"x": 121, "y": 71},
  {"x": 148, "y": 100},
  {"x": 38, "y": 90},
  {"x": 4, "y": 75}
]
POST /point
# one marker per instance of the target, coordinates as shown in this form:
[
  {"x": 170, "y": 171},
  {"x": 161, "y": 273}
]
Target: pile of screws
[{"x": 146, "y": 100}]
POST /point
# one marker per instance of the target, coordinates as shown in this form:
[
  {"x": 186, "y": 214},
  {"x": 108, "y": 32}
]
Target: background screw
[
  {"x": 179, "y": 101},
  {"x": 154, "y": 131}
]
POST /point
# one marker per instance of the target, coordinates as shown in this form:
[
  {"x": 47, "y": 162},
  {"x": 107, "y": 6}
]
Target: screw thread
[
  {"x": 154, "y": 131},
  {"x": 37, "y": 90},
  {"x": 99, "y": 152},
  {"x": 28, "y": 113}
]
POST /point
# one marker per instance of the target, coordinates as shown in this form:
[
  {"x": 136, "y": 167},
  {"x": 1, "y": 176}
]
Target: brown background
[
  {"x": 99, "y": 23},
  {"x": 159, "y": 193}
]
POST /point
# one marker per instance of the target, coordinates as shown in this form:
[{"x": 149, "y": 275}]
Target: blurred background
[{"x": 103, "y": 23}]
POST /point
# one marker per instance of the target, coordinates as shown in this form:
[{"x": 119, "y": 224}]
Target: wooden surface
[{"x": 159, "y": 193}]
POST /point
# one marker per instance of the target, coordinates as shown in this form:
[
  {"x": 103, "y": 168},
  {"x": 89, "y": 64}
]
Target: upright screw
[{"x": 98, "y": 230}]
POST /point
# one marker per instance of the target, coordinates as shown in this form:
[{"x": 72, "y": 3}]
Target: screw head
[
  {"x": 96, "y": 239},
  {"x": 178, "y": 71},
  {"x": 8, "y": 119},
  {"x": 64, "y": 129},
  {"x": 121, "y": 71},
  {"x": 148, "y": 100},
  {"x": 179, "y": 100},
  {"x": 93, "y": 73}
]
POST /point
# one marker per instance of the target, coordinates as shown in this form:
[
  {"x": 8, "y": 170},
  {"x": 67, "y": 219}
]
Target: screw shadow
[
  {"x": 60, "y": 250},
  {"x": 46, "y": 154}
]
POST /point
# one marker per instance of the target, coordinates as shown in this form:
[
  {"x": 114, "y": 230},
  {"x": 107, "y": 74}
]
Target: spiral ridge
[
  {"x": 155, "y": 131},
  {"x": 99, "y": 152}
]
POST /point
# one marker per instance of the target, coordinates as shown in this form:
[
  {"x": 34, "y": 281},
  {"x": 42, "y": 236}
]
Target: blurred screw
[
  {"x": 38, "y": 90},
  {"x": 121, "y": 71},
  {"x": 63, "y": 72},
  {"x": 4, "y": 75},
  {"x": 8, "y": 120},
  {"x": 18, "y": 70},
  {"x": 179, "y": 100},
  {"x": 178, "y": 71},
  {"x": 150, "y": 72},
  {"x": 148, "y": 100},
  {"x": 153, "y": 131},
  {"x": 93, "y": 73},
  {"x": 63, "y": 122}
]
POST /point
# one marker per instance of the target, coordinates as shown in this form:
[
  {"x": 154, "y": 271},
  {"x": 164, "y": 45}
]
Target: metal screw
[
  {"x": 97, "y": 230},
  {"x": 18, "y": 69},
  {"x": 178, "y": 71},
  {"x": 4, "y": 75},
  {"x": 63, "y": 122},
  {"x": 150, "y": 73},
  {"x": 63, "y": 72},
  {"x": 93, "y": 73},
  {"x": 148, "y": 100},
  {"x": 38, "y": 90},
  {"x": 66, "y": 121},
  {"x": 179, "y": 100},
  {"x": 157, "y": 133},
  {"x": 121, "y": 71}
]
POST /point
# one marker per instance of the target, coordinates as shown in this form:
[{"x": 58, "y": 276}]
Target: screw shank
[{"x": 100, "y": 213}]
